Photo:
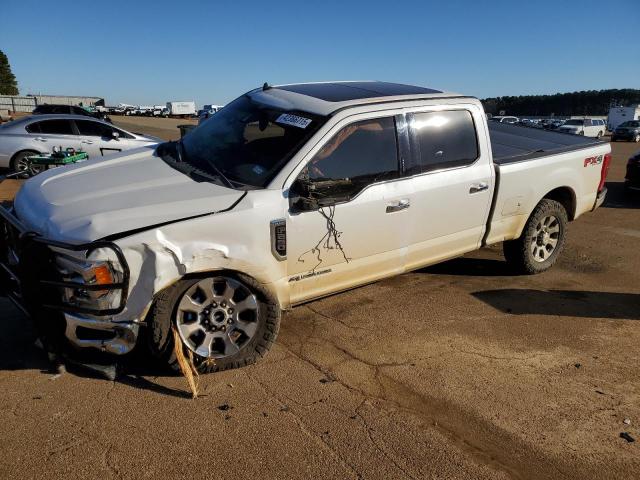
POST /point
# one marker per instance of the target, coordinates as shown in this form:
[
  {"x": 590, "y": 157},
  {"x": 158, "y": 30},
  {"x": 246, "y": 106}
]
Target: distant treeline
[{"x": 591, "y": 102}]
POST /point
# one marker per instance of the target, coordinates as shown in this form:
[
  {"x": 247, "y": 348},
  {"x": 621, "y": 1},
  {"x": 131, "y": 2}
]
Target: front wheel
[
  {"x": 636, "y": 138},
  {"x": 225, "y": 321},
  {"x": 542, "y": 239}
]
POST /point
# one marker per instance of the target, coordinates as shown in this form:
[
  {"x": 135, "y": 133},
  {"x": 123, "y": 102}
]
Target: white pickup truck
[{"x": 289, "y": 193}]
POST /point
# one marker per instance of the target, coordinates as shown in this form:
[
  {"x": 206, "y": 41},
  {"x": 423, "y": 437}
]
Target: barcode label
[{"x": 293, "y": 120}]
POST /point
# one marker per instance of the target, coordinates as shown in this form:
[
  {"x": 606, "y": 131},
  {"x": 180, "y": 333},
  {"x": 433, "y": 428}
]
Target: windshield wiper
[
  {"x": 182, "y": 157},
  {"x": 181, "y": 162},
  {"x": 221, "y": 175},
  {"x": 180, "y": 151}
]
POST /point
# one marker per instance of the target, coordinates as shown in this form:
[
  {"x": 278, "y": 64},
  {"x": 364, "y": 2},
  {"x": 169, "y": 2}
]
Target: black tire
[
  {"x": 518, "y": 252},
  {"x": 20, "y": 165},
  {"x": 159, "y": 336}
]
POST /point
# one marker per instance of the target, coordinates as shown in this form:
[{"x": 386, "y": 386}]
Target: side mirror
[
  {"x": 305, "y": 195},
  {"x": 300, "y": 196},
  {"x": 115, "y": 135}
]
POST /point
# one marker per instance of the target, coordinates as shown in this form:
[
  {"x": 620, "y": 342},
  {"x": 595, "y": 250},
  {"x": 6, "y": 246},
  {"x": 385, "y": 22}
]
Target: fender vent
[{"x": 279, "y": 239}]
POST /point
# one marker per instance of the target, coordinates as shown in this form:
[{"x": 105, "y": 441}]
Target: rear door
[
  {"x": 54, "y": 133},
  {"x": 452, "y": 176}
]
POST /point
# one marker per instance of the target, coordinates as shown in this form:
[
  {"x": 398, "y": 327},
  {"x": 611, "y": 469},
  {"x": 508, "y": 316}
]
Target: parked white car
[
  {"x": 505, "y": 119},
  {"x": 287, "y": 194},
  {"x": 583, "y": 126},
  {"x": 40, "y": 133}
]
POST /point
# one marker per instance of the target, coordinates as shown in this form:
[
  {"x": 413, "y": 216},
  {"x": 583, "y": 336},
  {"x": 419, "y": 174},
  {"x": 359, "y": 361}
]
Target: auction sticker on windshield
[{"x": 293, "y": 120}]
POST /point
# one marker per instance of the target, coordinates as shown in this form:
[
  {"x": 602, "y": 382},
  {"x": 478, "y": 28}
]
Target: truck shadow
[
  {"x": 470, "y": 267},
  {"x": 617, "y": 197},
  {"x": 18, "y": 351},
  {"x": 568, "y": 303}
]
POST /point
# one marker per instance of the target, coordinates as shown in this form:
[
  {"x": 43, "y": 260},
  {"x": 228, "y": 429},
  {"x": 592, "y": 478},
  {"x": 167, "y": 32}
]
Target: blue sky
[{"x": 146, "y": 52}]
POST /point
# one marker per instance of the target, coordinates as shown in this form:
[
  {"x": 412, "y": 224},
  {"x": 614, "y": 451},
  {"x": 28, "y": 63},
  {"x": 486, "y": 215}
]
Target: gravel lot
[{"x": 461, "y": 370}]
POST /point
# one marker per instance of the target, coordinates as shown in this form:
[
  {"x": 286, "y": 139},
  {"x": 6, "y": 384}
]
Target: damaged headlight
[{"x": 91, "y": 274}]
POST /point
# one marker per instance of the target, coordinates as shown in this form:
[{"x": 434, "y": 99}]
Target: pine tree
[{"x": 8, "y": 83}]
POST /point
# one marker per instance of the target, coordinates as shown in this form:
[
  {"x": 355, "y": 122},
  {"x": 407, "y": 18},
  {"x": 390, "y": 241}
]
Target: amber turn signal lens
[{"x": 103, "y": 275}]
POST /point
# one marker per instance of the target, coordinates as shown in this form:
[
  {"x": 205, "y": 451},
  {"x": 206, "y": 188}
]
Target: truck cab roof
[{"x": 325, "y": 98}]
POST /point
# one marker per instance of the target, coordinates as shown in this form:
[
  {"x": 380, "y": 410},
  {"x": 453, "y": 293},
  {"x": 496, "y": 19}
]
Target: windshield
[
  {"x": 630, "y": 124},
  {"x": 245, "y": 144},
  {"x": 574, "y": 122}
]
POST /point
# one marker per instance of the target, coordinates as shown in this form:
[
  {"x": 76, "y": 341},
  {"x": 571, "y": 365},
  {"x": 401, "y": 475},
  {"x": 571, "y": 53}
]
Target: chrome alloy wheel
[
  {"x": 27, "y": 168},
  {"x": 545, "y": 239},
  {"x": 217, "y": 317}
]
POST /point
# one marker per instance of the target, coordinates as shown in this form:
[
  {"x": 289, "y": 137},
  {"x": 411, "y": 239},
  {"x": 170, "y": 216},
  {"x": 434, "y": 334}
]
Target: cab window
[
  {"x": 441, "y": 140},
  {"x": 360, "y": 154}
]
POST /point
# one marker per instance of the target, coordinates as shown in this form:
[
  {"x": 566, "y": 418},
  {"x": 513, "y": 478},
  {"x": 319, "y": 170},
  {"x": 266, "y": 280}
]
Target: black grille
[{"x": 30, "y": 278}]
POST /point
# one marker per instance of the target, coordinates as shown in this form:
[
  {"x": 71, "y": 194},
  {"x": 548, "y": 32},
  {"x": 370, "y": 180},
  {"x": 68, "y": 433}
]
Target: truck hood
[{"x": 103, "y": 197}]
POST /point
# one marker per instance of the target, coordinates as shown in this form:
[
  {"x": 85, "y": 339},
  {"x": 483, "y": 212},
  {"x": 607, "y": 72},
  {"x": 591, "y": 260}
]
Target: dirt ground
[
  {"x": 461, "y": 370},
  {"x": 166, "y": 128}
]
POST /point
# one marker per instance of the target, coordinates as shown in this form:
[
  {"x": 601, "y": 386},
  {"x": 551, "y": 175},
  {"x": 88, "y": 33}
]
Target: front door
[
  {"x": 97, "y": 138},
  {"x": 358, "y": 231}
]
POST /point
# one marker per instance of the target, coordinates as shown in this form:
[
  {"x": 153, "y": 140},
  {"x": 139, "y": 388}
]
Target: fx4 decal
[{"x": 593, "y": 161}]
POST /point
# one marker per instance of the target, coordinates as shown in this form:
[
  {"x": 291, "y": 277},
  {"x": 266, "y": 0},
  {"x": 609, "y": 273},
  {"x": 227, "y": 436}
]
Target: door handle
[
  {"x": 89, "y": 142},
  {"x": 478, "y": 187},
  {"x": 40, "y": 139},
  {"x": 397, "y": 206}
]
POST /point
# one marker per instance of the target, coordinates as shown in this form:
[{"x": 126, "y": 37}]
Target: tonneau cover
[{"x": 515, "y": 143}]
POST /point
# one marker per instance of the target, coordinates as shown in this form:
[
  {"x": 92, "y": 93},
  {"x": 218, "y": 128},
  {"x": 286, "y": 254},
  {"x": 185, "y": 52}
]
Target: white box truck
[
  {"x": 618, "y": 115},
  {"x": 181, "y": 108}
]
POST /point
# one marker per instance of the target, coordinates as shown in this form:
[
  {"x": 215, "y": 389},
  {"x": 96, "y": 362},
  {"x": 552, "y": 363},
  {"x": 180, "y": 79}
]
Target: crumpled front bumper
[{"x": 29, "y": 278}]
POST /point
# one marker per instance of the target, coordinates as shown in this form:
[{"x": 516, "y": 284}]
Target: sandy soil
[
  {"x": 166, "y": 128},
  {"x": 461, "y": 370}
]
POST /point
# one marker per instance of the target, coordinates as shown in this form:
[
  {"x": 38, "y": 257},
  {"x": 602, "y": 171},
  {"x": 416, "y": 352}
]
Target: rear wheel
[
  {"x": 21, "y": 164},
  {"x": 542, "y": 239},
  {"x": 226, "y": 321}
]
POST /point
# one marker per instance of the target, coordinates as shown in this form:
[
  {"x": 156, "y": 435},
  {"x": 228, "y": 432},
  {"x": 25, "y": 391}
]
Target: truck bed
[{"x": 515, "y": 143}]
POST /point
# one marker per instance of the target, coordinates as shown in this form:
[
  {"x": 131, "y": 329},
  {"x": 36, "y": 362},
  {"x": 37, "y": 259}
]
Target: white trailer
[
  {"x": 617, "y": 115},
  {"x": 181, "y": 108}
]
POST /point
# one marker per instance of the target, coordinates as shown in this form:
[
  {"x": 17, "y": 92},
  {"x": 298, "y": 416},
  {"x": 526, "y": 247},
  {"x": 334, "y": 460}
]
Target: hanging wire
[{"x": 329, "y": 241}]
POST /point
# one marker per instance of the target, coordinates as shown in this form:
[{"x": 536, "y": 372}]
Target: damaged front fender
[{"x": 162, "y": 256}]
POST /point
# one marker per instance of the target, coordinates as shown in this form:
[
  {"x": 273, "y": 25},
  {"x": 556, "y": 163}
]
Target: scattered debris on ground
[
  {"x": 187, "y": 367},
  {"x": 627, "y": 436}
]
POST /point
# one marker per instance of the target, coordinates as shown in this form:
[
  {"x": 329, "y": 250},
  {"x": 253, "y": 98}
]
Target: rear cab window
[{"x": 440, "y": 140}]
